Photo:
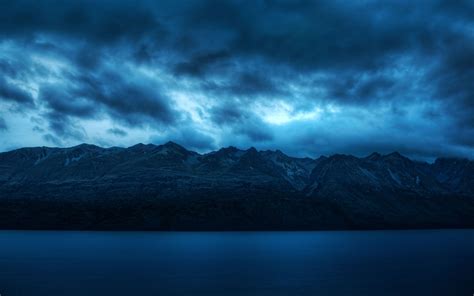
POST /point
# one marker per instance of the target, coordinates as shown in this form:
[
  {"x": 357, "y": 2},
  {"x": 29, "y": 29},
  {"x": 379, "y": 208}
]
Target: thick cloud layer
[{"x": 306, "y": 77}]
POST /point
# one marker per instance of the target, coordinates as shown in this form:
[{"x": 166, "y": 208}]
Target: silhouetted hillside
[{"x": 169, "y": 187}]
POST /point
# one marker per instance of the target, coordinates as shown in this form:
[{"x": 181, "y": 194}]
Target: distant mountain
[{"x": 169, "y": 187}]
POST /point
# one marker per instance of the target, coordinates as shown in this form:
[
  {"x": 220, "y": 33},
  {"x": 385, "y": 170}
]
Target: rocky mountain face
[{"x": 169, "y": 187}]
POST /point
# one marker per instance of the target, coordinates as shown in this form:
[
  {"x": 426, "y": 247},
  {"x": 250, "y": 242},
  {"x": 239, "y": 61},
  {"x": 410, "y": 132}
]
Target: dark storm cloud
[
  {"x": 409, "y": 64},
  {"x": 61, "y": 101},
  {"x": 245, "y": 85},
  {"x": 118, "y": 132},
  {"x": 200, "y": 63},
  {"x": 131, "y": 101},
  {"x": 339, "y": 38},
  {"x": 454, "y": 77},
  {"x": 64, "y": 127},
  {"x": 227, "y": 114},
  {"x": 361, "y": 88},
  {"x": 7, "y": 69},
  {"x": 52, "y": 139},
  {"x": 189, "y": 137},
  {"x": 304, "y": 34},
  {"x": 194, "y": 140},
  {"x": 13, "y": 93},
  {"x": 424, "y": 142},
  {"x": 101, "y": 21},
  {"x": 313, "y": 34},
  {"x": 3, "y": 124},
  {"x": 241, "y": 121}
]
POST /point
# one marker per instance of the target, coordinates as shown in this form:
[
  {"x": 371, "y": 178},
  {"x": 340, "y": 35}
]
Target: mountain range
[{"x": 167, "y": 187}]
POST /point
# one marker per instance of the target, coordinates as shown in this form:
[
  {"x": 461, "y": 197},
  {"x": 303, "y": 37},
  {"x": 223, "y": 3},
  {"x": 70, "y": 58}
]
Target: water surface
[{"x": 425, "y": 262}]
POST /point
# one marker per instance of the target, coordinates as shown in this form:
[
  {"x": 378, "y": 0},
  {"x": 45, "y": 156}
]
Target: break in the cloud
[{"x": 306, "y": 77}]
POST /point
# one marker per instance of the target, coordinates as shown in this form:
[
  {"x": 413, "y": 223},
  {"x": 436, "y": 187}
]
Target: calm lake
[{"x": 418, "y": 262}]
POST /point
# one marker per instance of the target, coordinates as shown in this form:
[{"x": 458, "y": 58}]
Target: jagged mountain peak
[
  {"x": 251, "y": 150},
  {"x": 395, "y": 155},
  {"x": 393, "y": 169},
  {"x": 172, "y": 144},
  {"x": 82, "y": 150},
  {"x": 374, "y": 186},
  {"x": 227, "y": 150},
  {"x": 280, "y": 153},
  {"x": 85, "y": 146},
  {"x": 374, "y": 156},
  {"x": 230, "y": 148},
  {"x": 141, "y": 146}
]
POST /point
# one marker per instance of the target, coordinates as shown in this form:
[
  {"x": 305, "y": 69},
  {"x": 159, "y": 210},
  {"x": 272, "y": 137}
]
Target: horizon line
[{"x": 395, "y": 152}]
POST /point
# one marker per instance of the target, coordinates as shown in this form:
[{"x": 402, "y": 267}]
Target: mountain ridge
[
  {"x": 233, "y": 158},
  {"x": 172, "y": 143},
  {"x": 169, "y": 187}
]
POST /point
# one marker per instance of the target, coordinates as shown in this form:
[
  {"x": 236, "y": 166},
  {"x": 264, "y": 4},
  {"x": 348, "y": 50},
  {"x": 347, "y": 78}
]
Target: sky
[{"x": 307, "y": 77}]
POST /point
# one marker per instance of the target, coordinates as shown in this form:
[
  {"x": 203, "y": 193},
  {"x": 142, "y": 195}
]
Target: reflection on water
[{"x": 431, "y": 262}]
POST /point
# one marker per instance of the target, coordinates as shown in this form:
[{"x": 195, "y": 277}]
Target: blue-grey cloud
[
  {"x": 3, "y": 124},
  {"x": 307, "y": 77},
  {"x": 117, "y": 131},
  {"x": 14, "y": 93},
  {"x": 241, "y": 122}
]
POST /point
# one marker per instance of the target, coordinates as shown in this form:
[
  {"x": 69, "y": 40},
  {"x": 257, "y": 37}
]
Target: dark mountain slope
[
  {"x": 387, "y": 190},
  {"x": 456, "y": 175},
  {"x": 169, "y": 187}
]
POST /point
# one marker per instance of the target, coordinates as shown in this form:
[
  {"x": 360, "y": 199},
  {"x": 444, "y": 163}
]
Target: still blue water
[{"x": 425, "y": 262}]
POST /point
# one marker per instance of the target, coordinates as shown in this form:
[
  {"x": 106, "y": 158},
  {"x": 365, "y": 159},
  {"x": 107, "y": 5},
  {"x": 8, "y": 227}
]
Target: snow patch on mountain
[
  {"x": 70, "y": 160},
  {"x": 394, "y": 177}
]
